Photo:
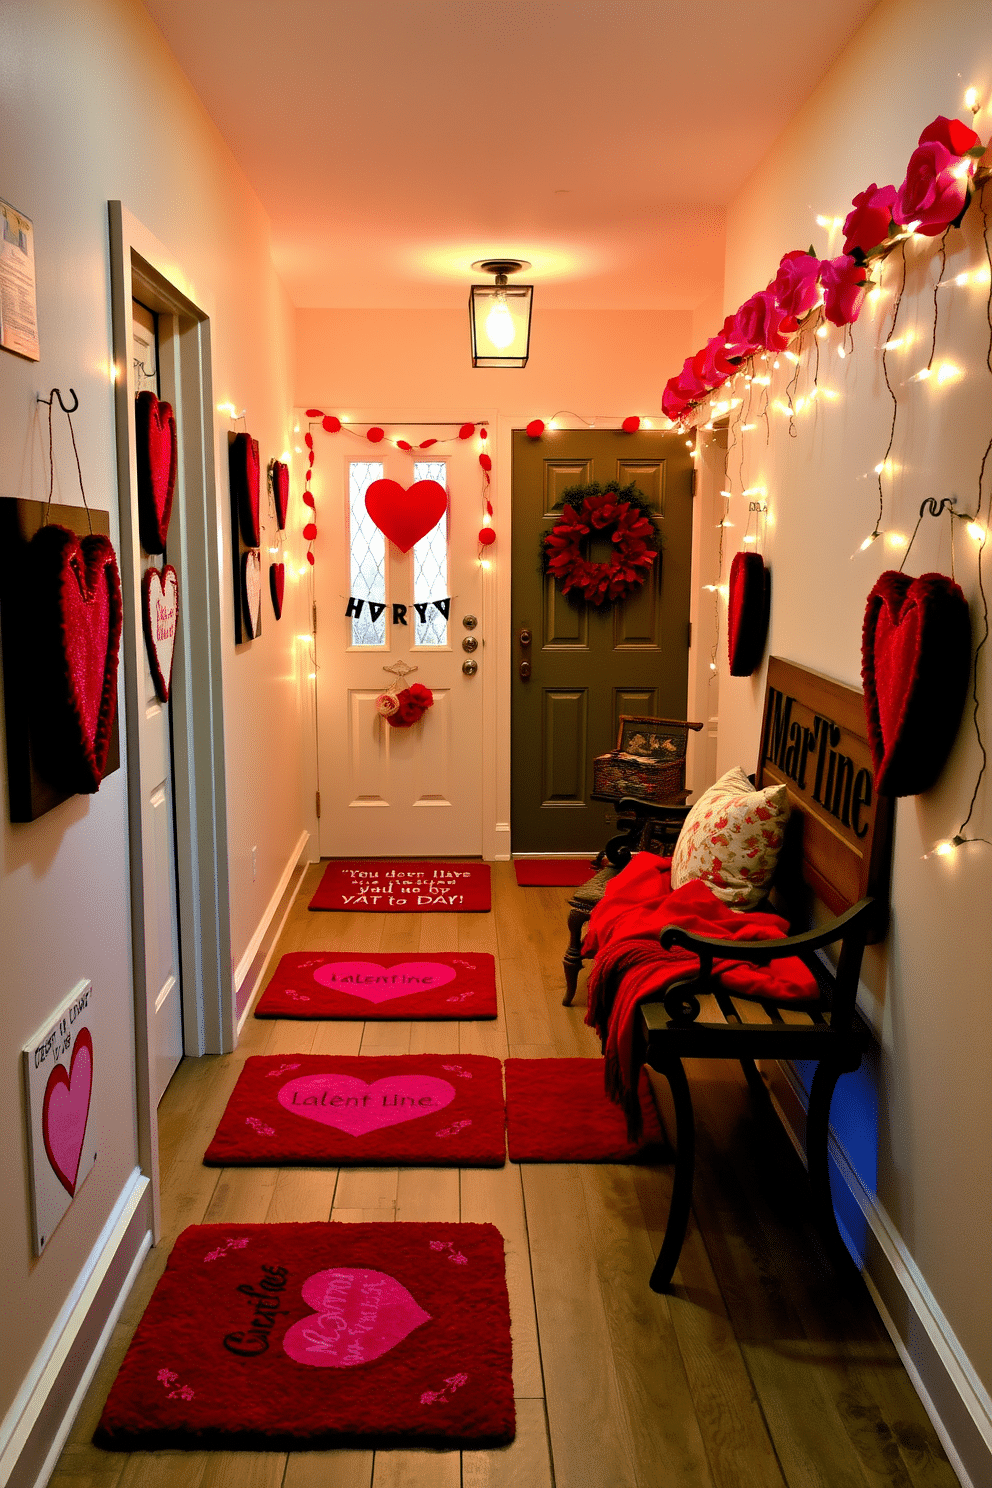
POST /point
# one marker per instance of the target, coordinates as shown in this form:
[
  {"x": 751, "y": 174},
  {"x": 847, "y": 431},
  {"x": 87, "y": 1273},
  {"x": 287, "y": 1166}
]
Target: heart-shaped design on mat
[
  {"x": 280, "y": 491},
  {"x": 76, "y": 593},
  {"x": 251, "y": 589},
  {"x": 405, "y": 516},
  {"x": 65, "y": 1111},
  {"x": 747, "y": 612},
  {"x": 277, "y": 586},
  {"x": 244, "y": 468},
  {"x": 375, "y": 983},
  {"x": 356, "y": 1107},
  {"x": 157, "y": 459},
  {"x": 358, "y": 1315},
  {"x": 160, "y": 616},
  {"x": 915, "y": 663}
]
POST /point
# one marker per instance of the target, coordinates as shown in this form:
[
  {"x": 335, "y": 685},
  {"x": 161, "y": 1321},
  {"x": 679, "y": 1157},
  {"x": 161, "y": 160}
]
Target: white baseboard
[
  {"x": 251, "y": 949},
  {"x": 55, "y": 1376},
  {"x": 953, "y": 1396}
]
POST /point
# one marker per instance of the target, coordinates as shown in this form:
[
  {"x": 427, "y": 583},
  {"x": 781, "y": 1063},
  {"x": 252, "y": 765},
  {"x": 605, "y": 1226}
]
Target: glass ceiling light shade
[{"x": 499, "y": 315}]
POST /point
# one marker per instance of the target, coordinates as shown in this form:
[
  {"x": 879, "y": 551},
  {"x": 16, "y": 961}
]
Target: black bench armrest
[
  {"x": 661, "y": 811},
  {"x": 855, "y": 924}
]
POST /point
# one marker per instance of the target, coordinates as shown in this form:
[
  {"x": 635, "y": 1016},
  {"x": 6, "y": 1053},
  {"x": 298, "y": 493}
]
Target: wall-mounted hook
[
  {"x": 140, "y": 367},
  {"x": 57, "y": 393}
]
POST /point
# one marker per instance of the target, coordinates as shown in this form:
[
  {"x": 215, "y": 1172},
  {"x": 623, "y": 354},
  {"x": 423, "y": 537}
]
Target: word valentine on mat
[
  {"x": 388, "y": 886},
  {"x": 380, "y": 986},
  {"x": 432, "y": 1110},
  {"x": 287, "y": 1336}
]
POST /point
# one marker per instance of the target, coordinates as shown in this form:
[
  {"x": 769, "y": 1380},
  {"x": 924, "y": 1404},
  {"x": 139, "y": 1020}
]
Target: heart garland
[
  {"x": 747, "y": 612},
  {"x": 277, "y": 586},
  {"x": 77, "y": 615},
  {"x": 244, "y": 470},
  {"x": 280, "y": 491},
  {"x": 915, "y": 663},
  {"x": 405, "y": 516},
  {"x": 157, "y": 460},
  {"x": 159, "y": 618},
  {"x": 251, "y": 590}
]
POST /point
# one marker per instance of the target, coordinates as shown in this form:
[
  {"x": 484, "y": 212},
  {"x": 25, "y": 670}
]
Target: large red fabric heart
[
  {"x": 915, "y": 662},
  {"x": 277, "y": 586},
  {"x": 160, "y": 616},
  {"x": 157, "y": 459},
  {"x": 405, "y": 516},
  {"x": 280, "y": 491},
  {"x": 243, "y": 465},
  {"x": 76, "y": 592},
  {"x": 747, "y": 612}
]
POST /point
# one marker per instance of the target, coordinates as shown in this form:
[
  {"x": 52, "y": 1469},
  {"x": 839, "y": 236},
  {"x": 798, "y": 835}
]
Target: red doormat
[
  {"x": 432, "y": 1110},
  {"x": 283, "y": 1336},
  {"x": 558, "y": 1111},
  {"x": 555, "y": 873},
  {"x": 386, "y": 886},
  {"x": 405, "y": 985}
]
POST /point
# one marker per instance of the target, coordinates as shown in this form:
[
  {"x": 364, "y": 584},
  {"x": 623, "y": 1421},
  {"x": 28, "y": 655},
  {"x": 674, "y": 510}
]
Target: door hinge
[
  {"x": 318, "y": 805},
  {"x": 692, "y": 487},
  {"x": 315, "y": 617},
  {"x": 688, "y": 642}
]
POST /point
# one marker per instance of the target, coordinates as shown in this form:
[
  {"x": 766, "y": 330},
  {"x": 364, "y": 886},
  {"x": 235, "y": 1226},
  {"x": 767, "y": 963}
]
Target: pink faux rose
[
  {"x": 713, "y": 362},
  {"x": 932, "y": 194},
  {"x": 958, "y": 138},
  {"x": 761, "y": 321},
  {"x": 844, "y": 283},
  {"x": 690, "y": 383},
  {"x": 796, "y": 284},
  {"x": 869, "y": 222},
  {"x": 674, "y": 403}
]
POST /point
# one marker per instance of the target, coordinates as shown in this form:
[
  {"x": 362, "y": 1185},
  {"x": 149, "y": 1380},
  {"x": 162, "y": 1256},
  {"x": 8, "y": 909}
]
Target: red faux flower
[
  {"x": 761, "y": 321},
  {"x": 413, "y": 703},
  {"x": 844, "y": 283},
  {"x": 690, "y": 381},
  {"x": 958, "y": 138},
  {"x": 869, "y": 222},
  {"x": 935, "y": 191},
  {"x": 674, "y": 403},
  {"x": 796, "y": 283},
  {"x": 713, "y": 362}
]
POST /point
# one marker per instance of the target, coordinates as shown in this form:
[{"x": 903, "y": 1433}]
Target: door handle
[
  {"x": 525, "y": 670},
  {"x": 524, "y": 638}
]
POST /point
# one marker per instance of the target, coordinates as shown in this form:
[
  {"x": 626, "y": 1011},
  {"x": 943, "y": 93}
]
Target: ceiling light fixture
[{"x": 499, "y": 315}]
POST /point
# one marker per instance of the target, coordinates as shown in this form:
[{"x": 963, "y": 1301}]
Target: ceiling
[{"x": 394, "y": 141}]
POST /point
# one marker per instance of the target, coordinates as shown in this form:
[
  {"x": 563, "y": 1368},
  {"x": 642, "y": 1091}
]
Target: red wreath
[
  {"x": 613, "y": 513},
  {"x": 413, "y": 704}
]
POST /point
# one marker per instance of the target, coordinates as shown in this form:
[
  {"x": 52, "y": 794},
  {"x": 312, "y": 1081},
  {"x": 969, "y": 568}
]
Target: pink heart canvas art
[
  {"x": 156, "y": 452},
  {"x": 65, "y": 1111},
  {"x": 405, "y": 516},
  {"x": 159, "y": 618}
]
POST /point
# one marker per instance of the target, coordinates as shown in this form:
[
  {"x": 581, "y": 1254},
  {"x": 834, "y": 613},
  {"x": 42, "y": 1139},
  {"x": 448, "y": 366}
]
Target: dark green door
[{"x": 588, "y": 666}]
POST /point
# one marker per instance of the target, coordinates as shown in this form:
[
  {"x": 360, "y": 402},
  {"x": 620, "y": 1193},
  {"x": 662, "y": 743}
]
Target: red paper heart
[
  {"x": 405, "y": 516},
  {"x": 243, "y": 464},
  {"x": 157, "y": 459},
  {"x": 160, "y": 616},
  {"x": 65, "y": 1111},
  {"x": 277, "y": 586},
  {"x": 747, "y": 613},
  {"x": 77, "y": 630},
  {"x": 280, "y": 491},
  {"x": 915, "y": 663},
  {"x": 251, "y": 590}
]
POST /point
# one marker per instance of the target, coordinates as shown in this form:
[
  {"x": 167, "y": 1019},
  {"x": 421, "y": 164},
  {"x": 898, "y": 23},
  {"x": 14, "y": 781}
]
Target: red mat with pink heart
[
  {"x": 283, "y": 1336},
  {"x": 378, "y": 987},
  {"x": 558, "y": 1111},
  {"x": 432, "y": 1110},
  {"x": 391, "y": 886}
]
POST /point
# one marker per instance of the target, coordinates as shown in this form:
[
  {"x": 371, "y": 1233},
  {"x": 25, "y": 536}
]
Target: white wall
[
  {"x": 92, "y": 108},
  {"x": 926, "y": 1161}
]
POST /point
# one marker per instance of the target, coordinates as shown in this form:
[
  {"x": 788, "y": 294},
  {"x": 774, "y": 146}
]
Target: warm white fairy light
[
  {"x": 896, "y": 539},
  {"x": 763, "y": 381},
  {"x": 790, "y": 356},
  {"x": 971, "y": 100},
  {"x": 823, "y": 331},
  {"x": 922, "y": 375},
  {"x": 976, "y": 530},
  {"x": 750, "y": 537},
  {"x": 944, "y": 849},
  {"x": 746, "y": 428},
  {"x": 947, "y": 372},
  {"x": 776, "y": 364},
  {"x": 841, "y": 352}
]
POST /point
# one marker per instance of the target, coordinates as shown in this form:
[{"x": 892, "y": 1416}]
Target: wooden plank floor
[{"x": 761, "y": 1369}]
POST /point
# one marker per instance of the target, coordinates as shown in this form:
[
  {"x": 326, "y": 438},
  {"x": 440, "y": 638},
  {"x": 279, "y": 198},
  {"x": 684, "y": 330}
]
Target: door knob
[
  {"x": 525, "y": 670},
  {"x": 524, "y": 638},
  {"x": 470, "y": 667},
  {"x": 470, "y": 643},
  {"x": 469, "y": 622}
]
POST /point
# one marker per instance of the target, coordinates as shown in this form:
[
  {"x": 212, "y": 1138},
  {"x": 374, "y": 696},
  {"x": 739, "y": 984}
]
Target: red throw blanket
[{"x": 623, "y": 933}]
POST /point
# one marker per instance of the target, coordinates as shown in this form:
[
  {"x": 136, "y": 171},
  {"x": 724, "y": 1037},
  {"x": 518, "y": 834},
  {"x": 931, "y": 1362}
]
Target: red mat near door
[
  {"x": 431, "y": 1110},
  {"x": 303, "y": 1336},
  {"x": 556, "y": 873},
  {"x": 385, "y": 886},
  {"x": 374, "y": 986},
  {"x": 558, "y": 1111}
]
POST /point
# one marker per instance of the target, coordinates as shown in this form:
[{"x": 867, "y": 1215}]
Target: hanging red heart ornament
[
  {"x": 244, "y": 469},
  {"x": 156, "y": 456},
  {"x": 405, "y": 516},
  {"x": 280, "y": 491},
  {"x": 76, "y": 591},
  {"x": 915, "y": 663},
  {"x": 747, "y": 612},
  {"x": 251, "y": 590},
  {"x": 160, "y": 616},
  {"x": 277, "y": 586}
]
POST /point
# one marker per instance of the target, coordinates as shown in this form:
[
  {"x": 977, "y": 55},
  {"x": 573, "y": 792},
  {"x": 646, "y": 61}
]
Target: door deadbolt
[
  {"x": 470, "y": 643},
  {"x": 470, "y": 667},
  {"x": 525, "y": 670},
  {"x": 469, "y": 622},
  {"x": 524, "y": 638}
]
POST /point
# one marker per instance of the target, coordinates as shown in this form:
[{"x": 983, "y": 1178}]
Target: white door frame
[{"x": 143, "y": 268}]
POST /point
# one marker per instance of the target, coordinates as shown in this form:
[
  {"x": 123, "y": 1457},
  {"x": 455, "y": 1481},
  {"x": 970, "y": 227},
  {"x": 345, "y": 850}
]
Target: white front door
[
  {"x": 388, "y": 791},
  {"x": 158, "y": 830}
]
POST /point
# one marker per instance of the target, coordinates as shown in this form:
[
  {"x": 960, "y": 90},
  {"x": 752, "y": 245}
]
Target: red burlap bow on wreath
[{"x": 619, "y": 513}]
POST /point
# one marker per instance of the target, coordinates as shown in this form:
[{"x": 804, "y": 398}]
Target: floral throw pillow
[{"x": 731, "y": 839}]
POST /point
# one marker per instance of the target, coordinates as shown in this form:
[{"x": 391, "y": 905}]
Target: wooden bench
[{"x": 837, "y": 851}]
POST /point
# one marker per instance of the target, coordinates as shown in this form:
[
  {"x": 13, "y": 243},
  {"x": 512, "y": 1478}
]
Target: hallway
[{"x": 761, "y": 1368}]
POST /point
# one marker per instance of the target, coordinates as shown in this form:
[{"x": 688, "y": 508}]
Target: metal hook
[
  {"x": 140, "y": 367},
  {"x": 929, "y": 507},
  {"x": 57, "y": 393}
]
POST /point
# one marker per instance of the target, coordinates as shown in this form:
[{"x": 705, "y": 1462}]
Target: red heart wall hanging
[
  {"x": 915, "y": 662},
  {"x": 244, "y": 468},
  {"x": 160, "y": 616},
  {"x": 157, "y": 460},
  {"x": 747, "y": 612},
  {"x": 280, "y": 492},
  {"x": 405, "y": 516},
  {"x": 76, "y": 591},
  {"x": 65, "y": 1111},
  {"x": 277, "y": 586},
  {"x": 251, "y": 589}
]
